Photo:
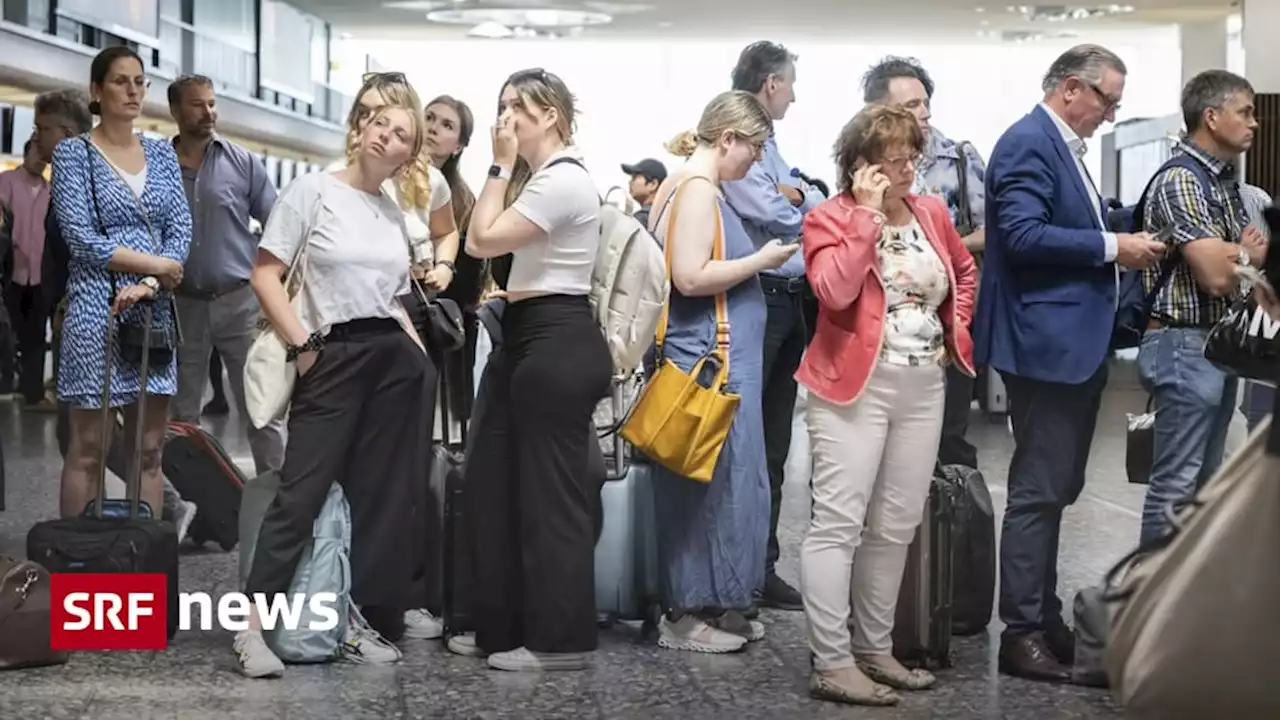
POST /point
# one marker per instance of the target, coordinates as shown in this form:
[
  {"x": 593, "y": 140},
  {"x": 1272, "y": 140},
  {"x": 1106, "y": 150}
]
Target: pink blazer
[{"x": 840, "y": 238}]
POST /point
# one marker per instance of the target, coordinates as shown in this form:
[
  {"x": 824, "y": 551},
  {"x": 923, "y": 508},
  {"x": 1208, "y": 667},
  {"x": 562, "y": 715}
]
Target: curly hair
[
  {"x": 874, "y": 130},
  {"x": 414, "y": 182}
]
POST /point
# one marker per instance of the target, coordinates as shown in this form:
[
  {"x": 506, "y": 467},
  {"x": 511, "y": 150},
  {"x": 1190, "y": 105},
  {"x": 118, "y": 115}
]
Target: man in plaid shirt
[{"x": 1210, "y": 237}]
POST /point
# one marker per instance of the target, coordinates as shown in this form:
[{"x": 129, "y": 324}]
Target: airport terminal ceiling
[{"x": 837, "y": 19}]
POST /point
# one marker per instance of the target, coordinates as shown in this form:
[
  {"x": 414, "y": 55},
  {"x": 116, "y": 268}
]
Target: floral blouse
[{"x": 916, "y": 284}]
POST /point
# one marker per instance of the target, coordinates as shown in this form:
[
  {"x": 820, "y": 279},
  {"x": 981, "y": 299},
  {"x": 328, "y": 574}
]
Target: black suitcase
[
  {"x": 113, "y": 536},
  {"x": 922, "y": 627},
  {"x": 448, "y": 467},
  {"x": 198, "y": 466},
  {"x": 973, "y": 550}
]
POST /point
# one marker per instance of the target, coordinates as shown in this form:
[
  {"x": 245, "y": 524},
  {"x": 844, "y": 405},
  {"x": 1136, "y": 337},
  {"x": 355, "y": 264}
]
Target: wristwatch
[
  {"x": 499, "y": 172},
  {"x": 150, "y": 282}
]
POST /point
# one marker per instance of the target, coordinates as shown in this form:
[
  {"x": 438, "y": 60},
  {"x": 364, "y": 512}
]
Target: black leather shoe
[
  {"x": 1029, "y": 658},
  {"x": 1061, "y": 641},
  {"x": 779, "y": 595}
]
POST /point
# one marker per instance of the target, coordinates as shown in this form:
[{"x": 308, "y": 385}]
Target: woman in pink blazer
[{"x": 895, "y": 289}]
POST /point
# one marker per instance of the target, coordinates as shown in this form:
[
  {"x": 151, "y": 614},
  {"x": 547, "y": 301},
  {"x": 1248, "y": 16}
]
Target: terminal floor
[{"x": 631, "y": 678}]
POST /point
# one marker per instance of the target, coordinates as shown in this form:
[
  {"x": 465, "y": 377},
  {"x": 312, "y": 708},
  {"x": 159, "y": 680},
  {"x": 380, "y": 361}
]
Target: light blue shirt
[{"x": 765, "y": 212}]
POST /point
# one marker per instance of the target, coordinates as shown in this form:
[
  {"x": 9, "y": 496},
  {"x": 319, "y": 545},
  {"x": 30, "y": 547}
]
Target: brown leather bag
[{"x": 24, "y": 615}]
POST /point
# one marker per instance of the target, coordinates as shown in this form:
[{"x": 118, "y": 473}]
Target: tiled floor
[{"x": 631, "y": 678}]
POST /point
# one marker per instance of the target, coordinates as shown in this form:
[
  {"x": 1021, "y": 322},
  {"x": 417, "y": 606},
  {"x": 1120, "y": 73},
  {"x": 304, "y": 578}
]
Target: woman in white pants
[{"x": 895, "y": 291}]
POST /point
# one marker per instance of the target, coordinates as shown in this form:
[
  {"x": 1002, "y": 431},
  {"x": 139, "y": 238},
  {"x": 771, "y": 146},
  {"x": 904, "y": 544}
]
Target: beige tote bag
[{"x": 1196, "y": 624}]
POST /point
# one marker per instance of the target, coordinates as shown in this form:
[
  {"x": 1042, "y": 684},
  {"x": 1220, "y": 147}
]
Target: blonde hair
[
  {"x": 733, "y": 111},
  {"x": 414, "y": 181}
]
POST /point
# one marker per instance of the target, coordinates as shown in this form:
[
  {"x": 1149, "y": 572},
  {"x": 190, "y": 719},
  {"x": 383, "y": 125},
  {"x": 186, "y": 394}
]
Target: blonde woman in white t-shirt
[
  {"x": 358, "y": 361},
  {"x": 529, "y": 489}
]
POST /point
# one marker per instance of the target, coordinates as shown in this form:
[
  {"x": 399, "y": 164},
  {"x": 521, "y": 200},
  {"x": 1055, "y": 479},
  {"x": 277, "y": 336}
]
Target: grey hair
[
  {"x": 1086, "y": 62},
  {"x": 1210, "y": 89},
  {"x": 69, "y": 107}
]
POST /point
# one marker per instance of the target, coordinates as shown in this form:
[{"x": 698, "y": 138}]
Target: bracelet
[
  {"x": 449, "y": 264},
  {"x": 313, "y": 344}
]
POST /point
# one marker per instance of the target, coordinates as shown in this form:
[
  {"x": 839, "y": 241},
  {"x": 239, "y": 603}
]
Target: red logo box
[{"x": 92, "y": 611}]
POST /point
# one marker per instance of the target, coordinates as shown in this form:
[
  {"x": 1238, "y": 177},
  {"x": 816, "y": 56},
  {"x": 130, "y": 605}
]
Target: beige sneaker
[
  {"x": 525, "y": 660},
  {"x": 256, "y": 659},
  {"x": 692, "y": 634}
]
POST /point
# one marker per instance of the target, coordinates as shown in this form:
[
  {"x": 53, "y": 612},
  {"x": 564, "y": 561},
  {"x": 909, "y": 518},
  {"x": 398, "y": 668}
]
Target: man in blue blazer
[{"x": 1046, "y": 310}]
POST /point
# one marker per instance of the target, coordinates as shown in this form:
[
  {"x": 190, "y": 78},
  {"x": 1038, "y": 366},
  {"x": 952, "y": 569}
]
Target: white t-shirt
[
  {"x": 357, "y": 262},
  {"x": 562, "y": 200},
  {"x": 417, "y": 222}
]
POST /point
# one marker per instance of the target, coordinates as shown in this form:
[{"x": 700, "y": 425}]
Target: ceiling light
[
  {"x": 418, "y": 5},
  {"x": 1063, "y": 13},
  {"x": 536, "y": 18}
]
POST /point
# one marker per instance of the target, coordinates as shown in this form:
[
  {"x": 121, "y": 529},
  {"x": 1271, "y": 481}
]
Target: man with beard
[{"x": 226, "y": 185}]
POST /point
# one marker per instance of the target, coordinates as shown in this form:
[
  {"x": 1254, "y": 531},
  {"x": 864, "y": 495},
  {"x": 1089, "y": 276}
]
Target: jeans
[{"x": 1193, "y": 401}]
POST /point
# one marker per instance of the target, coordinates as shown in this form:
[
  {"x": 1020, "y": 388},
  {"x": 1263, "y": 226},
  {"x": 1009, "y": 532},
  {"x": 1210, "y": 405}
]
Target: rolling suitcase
[
  {"x": 973, "y": 549},
  {"x": 993, "y": 397},
  {"x": 627, "y": 574},
  {"x": 198, "y": 466},
  {"x": 114, "y": 536},
  {"x": 922, "y": 628}
]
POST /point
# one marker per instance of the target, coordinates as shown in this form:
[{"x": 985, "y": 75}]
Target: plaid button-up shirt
[{"x": 1179, "y": 204}]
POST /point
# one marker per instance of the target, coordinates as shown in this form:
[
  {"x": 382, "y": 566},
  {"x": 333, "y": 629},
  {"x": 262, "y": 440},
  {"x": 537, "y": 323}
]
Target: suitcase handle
[{"x": 133, "y": 483}]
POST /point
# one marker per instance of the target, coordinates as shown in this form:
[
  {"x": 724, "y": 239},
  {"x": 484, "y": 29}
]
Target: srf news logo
[{"x": 130, "y": 611}]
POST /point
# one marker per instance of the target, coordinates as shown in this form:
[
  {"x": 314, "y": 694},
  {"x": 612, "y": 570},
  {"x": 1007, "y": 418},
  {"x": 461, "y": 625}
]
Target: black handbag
[
  {"x": 438, "y": 320},
  {"x": 1246, "y": 341}
]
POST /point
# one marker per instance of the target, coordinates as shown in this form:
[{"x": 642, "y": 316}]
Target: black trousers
[
  {"x": 351, "y": 421},
  {"x": 1053, "y": 427},
  {"x": 528, "y": 498},
  {"x": 785, "y": 338},
  {"x": 954, "y": 448},
  {"x": 28, "y": 317}
]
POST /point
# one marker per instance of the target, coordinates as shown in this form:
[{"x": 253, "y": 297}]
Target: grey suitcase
[{"x": 627, "y": 578}]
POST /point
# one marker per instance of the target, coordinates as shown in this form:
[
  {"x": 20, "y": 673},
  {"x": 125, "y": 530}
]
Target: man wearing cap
[{"x": 646, "y": 176}]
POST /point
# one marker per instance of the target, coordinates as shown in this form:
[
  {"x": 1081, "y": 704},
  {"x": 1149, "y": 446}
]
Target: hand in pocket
[{"x": 306, "y": 361}]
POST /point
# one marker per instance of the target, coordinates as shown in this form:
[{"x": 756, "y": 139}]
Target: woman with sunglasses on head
[
  {"x": 119, "y": 202},
  {"x": 528, "y": 488},
  {"x": 425, "y": 197},
  {"x": 359, "y": 361}
]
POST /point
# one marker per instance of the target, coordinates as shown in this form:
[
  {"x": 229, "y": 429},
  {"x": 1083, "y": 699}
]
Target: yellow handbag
[{"x": 679, "y": 422}]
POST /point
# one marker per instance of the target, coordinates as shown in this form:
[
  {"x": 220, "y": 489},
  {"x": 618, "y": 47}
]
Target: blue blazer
[{"x": 1047, "y": 299}]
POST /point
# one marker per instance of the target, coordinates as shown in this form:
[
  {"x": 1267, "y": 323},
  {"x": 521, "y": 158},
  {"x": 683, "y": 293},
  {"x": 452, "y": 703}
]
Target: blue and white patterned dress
[{"x": 81, "y": 173}]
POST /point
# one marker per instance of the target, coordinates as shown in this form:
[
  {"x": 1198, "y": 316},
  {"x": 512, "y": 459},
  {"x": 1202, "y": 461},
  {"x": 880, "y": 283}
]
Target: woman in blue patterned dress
[
  {"x": 119, "y": 202},
  {"x": 712, "y": 537}
]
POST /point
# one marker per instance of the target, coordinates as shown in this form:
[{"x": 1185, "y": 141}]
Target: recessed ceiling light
[{"x": 520, "y": 17}]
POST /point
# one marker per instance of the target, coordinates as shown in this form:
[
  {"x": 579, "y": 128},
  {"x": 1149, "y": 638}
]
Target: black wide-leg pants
[
  {"x": 355, "y": 419},
  {"x": 528, "y": 490}
]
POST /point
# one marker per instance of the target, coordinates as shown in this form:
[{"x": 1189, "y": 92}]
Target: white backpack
[{"x": 629, "y": 286}]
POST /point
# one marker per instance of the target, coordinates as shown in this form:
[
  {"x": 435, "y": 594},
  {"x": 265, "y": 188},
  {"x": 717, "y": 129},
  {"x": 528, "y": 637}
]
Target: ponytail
[{"x": 683, "y": 145}]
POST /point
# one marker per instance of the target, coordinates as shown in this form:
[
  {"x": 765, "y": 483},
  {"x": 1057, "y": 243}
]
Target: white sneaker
[
  {"x": 465, "y": 645},
  {"x": 525, "y": 660},
  {"x": 365, "y": 646},
  {"x": 422, "y": 625},
  {"x": 256, "y": 659},
  {"x": 182, "y": 517},
  {"x": 694, "y": 635},
  {"x": 733, "y": 622}
]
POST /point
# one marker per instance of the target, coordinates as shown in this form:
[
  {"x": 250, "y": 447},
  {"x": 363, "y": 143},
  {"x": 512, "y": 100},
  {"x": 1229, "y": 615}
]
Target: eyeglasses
[
  {"x": 1109, "y": 104},
  {"x": 901, "y": 162},
  {"x": 390, "y": 77}
]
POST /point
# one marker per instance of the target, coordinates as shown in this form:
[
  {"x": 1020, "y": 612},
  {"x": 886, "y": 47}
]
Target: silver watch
[{"x": 151, "y": 282}]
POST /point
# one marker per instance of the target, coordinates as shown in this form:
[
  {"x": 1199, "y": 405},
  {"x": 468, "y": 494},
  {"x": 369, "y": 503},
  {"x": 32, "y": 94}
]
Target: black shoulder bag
[{"x": 162, "y": 342}]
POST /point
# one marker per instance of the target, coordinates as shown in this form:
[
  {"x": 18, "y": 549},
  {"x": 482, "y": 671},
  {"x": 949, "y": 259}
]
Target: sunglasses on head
[{"x": 391, "y": 77}]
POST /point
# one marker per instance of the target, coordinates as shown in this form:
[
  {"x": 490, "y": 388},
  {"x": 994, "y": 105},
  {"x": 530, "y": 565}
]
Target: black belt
[
  {"x": 211, "y": 294},
  {"x": 775, "y": 285}
]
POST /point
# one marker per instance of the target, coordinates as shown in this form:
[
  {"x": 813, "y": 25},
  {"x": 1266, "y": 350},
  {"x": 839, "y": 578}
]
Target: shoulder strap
[
  {"x": 962, "y": 175},
  {"x": 672, "y": 206},
  {"x": 1168, "y": 265}
]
